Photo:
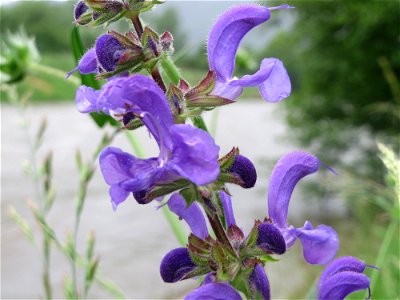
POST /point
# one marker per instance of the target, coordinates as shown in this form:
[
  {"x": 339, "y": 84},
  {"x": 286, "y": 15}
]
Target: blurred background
[{"x": 344, "y": 63}]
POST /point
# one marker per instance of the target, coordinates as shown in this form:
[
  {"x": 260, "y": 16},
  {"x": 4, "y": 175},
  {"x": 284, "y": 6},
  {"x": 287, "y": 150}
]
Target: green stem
[
  {"x": 199, "y": 123},
  {"x": 54, "y": 72},
  {"x": 170, "y": 70},
  {"x": 134, "y": 143},
  {"x": 383, "y": 251},
  {"x": 175, "y": 225}
]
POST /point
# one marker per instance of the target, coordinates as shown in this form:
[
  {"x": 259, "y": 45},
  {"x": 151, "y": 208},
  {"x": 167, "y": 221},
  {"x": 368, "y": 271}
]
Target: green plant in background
[
  {"x": 18, "y": 53},
  {"x": 345, "y": 88}
]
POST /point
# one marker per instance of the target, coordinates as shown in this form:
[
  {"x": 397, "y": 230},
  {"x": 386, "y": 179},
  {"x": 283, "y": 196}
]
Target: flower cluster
[{"x": 189, "y": 164}]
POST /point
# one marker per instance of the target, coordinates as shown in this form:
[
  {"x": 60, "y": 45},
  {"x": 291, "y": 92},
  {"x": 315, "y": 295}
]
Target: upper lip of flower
[
  {"x": 223, "y": 43},
  {"x": 320, "y": 244}
]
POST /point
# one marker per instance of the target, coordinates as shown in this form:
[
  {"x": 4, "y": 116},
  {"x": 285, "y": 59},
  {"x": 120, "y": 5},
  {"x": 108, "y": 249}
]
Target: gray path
[{"x": 131, "y": 241}]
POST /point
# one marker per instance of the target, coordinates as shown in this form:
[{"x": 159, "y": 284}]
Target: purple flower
[
  {"x": 223, "y": 42},
  {"x": 342, "y": 277},
  {"x": 320, "y": 244},
  {"x": 185, "y": 151},
  {"x": 103, "y": 56}
]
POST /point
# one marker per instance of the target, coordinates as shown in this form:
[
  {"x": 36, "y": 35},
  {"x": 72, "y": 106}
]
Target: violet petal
[
  {"x": 214, "y": 291},
  {"x": 228, "y": 210},
  {"x": 192, "y": 215},
  {"x": 226, "y": 35},
  {"x": 320, "y": 245},
  {"x": 194, "y": 154},
  {"x": 139, "y": 92},
  {"x": 342, "y": 264},
  {"x": 88, "y": 62},
  {"x": 286, "y": 174},
  {"x": 259, "y": 282},
  {"x": 123, "y": 171},
  {"x": 272, "y": 79},
  {"x": 342, "y": 284},
  {"x": 86, "y": 99},
  {"x": 176, "y": 264}
]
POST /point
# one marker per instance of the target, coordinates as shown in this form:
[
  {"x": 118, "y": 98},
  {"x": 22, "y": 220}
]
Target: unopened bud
[
  {"x": 245, "y": 169},
  {"x": 108, "y": 51}
]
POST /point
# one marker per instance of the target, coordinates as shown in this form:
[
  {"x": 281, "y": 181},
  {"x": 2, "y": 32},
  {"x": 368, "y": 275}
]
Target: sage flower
[
  {"x": 103, "y": 57},
  {"x": 185, "y": 151},
  {"x": 320, "y": 244},
  {"x": 342, "y": 277},
  {"x": 223, "y": 42}
]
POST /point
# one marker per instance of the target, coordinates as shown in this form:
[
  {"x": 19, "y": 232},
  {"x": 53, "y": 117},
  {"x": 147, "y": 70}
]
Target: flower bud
[
  {"x": 270, "y": 239},
  {"x": 176, "y": 264},
  {"x": 245, "y": 169},
  {"x": 140, "y": 197},
  {"x": 80, "y": 9},
  {"x": 108, "y": 51}
]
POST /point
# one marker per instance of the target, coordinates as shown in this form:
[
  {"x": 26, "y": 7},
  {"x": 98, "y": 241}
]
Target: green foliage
[
  {"x": 342, "y": 57},
  {"x": 49, "y": 21}
]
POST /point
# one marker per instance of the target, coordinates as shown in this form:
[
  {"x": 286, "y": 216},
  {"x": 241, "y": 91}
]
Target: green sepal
[
  {"x": 84, "y": 19},
  {"x": 164, "y": 189},
  {"x": 190, "y": 194},
  {"x": 226, "y": 161},
  {"x": 208, "y": 101},
  {"x": 199, "y": 271},
  {"x": 241, "y": 282},
  {"x": 175, "y": 99},
  {"x": 252, "y": 237},
  {"x": 136, "y": 7},
  {"x": 231, "y": 178},
  {"x": 104, "y": 5},
  {"x": 107, "y": 18},
  {"x": 149, "y": 52},
  {"x": 204, "y": 87},
  {"x": 133, "y": 124},
  {"x": 129, "y": 40}
]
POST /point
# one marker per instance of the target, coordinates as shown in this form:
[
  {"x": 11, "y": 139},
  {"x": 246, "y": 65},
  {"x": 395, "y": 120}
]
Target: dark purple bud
[
  {"x": 127, "y": 118},
  {"x": 259, "y": 283},
  {"x": 176, "y": 264},
  {"x": 80, "y": 9},
  {"x": 140, "y": 197},
  {"x": 245, "y": 169},
  {"x": 108, "y": 51},
  {"x": 270, "y": 239}
]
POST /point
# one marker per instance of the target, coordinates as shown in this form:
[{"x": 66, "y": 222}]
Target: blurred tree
[{"x": 343, "y": 57}]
